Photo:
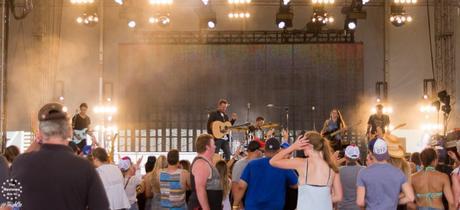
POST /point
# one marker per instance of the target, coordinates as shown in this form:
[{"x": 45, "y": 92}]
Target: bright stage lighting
[
  {"x": 281, "y": 25},
  {"x": 131, "y": 23},
  {"x": 81, "y": 1},
  {"x": 88, "y": 19},
  {"x": 161, "y": 2},
  {"x": 211, "y": 24},
  {"x": 284, "y": 15},
  {"x": 322, "y": 1},
  {"x": 105, "y": 109},
  {"x": 239, "y": 15},
  {"x": 120, "y": 2},
  {"x": 351, "y": 24}
]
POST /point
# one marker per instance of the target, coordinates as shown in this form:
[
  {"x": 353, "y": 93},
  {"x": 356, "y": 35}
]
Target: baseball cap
[
  {"x": 52, "y": 111},
  {"x": 284, "y": 145},
  {"x": 352, "y": 152},
  {"x": 255, "y": 145},
  {"x": 379, "y": 149},
  {"x": 124, "y": 164},
  {"x": 272, "y": 144}
]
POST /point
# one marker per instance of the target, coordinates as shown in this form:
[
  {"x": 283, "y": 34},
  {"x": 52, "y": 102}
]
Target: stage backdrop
[{"x": 166, "y": 91}]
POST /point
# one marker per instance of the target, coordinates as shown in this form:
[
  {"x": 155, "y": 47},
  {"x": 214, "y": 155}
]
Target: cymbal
[
  {"x": 240, "y": 128},
  {"x": 270, "y": 125}
]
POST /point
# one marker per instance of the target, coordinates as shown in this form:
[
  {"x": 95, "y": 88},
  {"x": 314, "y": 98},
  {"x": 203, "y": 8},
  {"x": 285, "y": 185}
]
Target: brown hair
[
  {"x": 173, "y": 157},
  {"x": 427, "y": 156},
  {"x": 222, "y": 101},
  {"x": 100, "y": 154},
  {"x": 160, "y": 164},
  {"x": 185, "y": 164},
  {"x": 321, "y": 144},
  {"x": 202, "y": 141},
  {"x": 11, "y": 153},
  {"x": 401, "y": 164},
  {"x": 223, "y": 172}
]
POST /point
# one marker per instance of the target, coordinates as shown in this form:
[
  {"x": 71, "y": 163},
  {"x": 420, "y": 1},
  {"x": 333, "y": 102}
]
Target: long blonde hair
[
  {"x": 160, "y": 164},
  {"x": 319, "y": 143},
  {"x": 401, "y": 164},
  {"x": 223, "y": 172}
]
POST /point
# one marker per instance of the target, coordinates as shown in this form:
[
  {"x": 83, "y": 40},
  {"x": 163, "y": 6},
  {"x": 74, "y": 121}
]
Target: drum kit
[{"x": 252, "y": 132}]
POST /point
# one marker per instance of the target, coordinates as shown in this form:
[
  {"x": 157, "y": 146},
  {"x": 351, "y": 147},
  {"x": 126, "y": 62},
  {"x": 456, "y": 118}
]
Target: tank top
[
  {"x": 214, "y": 189},
  {"x": 316, "y": 197},
  {"x": 172, "y": 191}
]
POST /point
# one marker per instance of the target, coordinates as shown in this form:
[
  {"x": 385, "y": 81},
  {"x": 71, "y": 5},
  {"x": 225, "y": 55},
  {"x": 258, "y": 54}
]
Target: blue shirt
[
  {"x": 266, "y": 185},
  {"x": 383, "y": 184}
]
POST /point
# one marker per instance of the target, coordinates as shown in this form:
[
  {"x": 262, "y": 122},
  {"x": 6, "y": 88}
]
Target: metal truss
[{"x": 246, "y": 37}]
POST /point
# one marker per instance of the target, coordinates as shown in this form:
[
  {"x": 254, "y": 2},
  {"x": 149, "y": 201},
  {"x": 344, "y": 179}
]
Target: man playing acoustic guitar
[{"x": 220, "y": 115}]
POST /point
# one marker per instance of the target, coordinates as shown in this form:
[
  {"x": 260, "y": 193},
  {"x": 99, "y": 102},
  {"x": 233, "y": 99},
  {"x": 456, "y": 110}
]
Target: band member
[
  {"x": 81, "y": 127},
  {"x": 378, "y": 120},
  {"x": 220, "y": 115},
  {"x": 258, "y": 132},
  {"x": 331, "y": 125}
]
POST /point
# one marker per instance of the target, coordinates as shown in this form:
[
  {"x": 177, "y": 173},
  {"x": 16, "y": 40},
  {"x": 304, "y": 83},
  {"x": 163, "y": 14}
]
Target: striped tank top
[{"x": 172, "y": 191}]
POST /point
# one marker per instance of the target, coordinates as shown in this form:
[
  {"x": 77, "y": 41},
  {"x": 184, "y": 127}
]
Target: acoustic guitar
[{"x": 220, "y": 129}]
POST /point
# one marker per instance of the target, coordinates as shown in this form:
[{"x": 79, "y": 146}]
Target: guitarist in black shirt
[
  {"x": 81, "y": 127},
  {"x": 220, "y": 115}
]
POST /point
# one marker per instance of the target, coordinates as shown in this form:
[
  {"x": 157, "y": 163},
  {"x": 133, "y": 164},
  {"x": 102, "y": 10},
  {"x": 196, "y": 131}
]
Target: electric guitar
[
  {"x": 331, "y": 135},
  {"x": 372, "y": 136},
  {"x": 220, "y": 129},
  {"x": 79, "y": 135}
]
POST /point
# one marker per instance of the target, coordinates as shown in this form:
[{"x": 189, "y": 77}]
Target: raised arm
[{"x": 280, "y": 160}]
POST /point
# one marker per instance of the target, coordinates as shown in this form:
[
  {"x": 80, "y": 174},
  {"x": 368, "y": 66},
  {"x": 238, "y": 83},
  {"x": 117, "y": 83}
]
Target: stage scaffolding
[{"x": 246, "y": 37}]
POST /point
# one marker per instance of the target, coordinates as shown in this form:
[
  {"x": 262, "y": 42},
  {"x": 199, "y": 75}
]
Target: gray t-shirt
[
  {"x": 238, "y": 169},
  {"x": 348, "y": 175},
  {"x": 383, "y": 184}
]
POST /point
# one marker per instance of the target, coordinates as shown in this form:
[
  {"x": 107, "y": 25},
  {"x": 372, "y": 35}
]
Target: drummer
[{"x": 258, "y": 132}]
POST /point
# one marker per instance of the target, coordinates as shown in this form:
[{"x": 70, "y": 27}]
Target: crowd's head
[
  {"x": 11, "y": 153},
  {"x": 352, "y": 154},
  {"x": 205, "y": 145},
  {"x": 429, "y": 157},
  {"x": 173, "y": 157},
  {"x": 378, "y": 150},
  {"x": 100, "y": 156},
  {"x": 150, "y": 163},
  {"x": 54, "y": 124},
  {"x": 83, "y": 108},
  {"x": 318, "y": 144},
  {"x": 260, "y": 121}
]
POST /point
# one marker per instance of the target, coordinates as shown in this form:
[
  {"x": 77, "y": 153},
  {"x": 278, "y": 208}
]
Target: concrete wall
[{"x": 408, "y": 50}]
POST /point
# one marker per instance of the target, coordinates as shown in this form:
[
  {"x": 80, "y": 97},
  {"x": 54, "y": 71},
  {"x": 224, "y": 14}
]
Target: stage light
[
  {"x": 239, "y": 15},
  {"x": 161, "y": 2},
  {"x": 405, "y": 1},
  {"x": 322, "y": 1},
  {"x": 205, "y": 2},
  {"x": 321, "y": 17},
  {"x": 65, "y": 109},
  {"x": 164, "y": 20},
  {"x": 61, "y": 98},
  {"x": 281, "y": 25},
  {"x": 398, "y": 16},
  {"x": 88, "y": 19},
  {"x": 351, "y": 24},
  {"x": 81, "y": 1},
  {"x": 425, "y": 96},
  {"x": 120, "y": 2},
  {"x": 284, "y": 16},
  {"x": 153, "y": 20},
  {"x": 105, "y": 109},
  {"x": 131, "y": 23},
  {"x": 211, "y": 24},
  {"x": 239, "y": 1}
]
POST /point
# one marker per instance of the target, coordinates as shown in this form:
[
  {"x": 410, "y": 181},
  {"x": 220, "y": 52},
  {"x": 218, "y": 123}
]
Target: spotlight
[
  {"x": 61, "y": 98},
  {"x": 284, "y": 16},
  {"x": 164, "y": 20},
  {"x": 81, "y": 1},
  {"x": 211, "y": 24},
  {"x": 120, "y": 2},
  {"x": 131, "y": 23},
  {"x": 239, "y": 15},
  {"x": 321, "y": 17},
  {"x": 351, "y": 24},
  {"x": 88, "y": 19},
  {"x": 161, "y": 2},
  {"x": 399, "y": 17},
  {"x": 207, "y": 17}
]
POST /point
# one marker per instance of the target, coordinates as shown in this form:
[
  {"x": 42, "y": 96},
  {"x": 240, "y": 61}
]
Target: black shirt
[
  {"x": 53, "y": 178},
  {"x": 4, "y": 172},
  {"x": 376, "y": 121},
  {"x": 80, "y": 123}
]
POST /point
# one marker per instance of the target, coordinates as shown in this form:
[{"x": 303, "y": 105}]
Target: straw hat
[{"x": 395, "y": 148}]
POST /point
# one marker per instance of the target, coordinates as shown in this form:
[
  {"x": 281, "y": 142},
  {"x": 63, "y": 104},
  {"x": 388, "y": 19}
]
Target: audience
[
  {"x": 429, "y": 196},
  {"x": 54, "y": 173},
  {"x": 264, "y": 185},
  {"x": 415, "y": 162},
  {"x": 207, "y": 191},
  {"x": 348, "y": 175},
  {"x": 153, "y": 185},
  {"x": 226, "y": 183},
  {"x": 131, "y": 180},
  {"x": 380, "y": 184},
  {"x": 11, "y": 153},
  {"x": 112, "y": 179},
  {"x": 319, "y": 181}
]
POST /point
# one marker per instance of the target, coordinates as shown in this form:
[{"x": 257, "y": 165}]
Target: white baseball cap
[{"x": 352, "y": 152}]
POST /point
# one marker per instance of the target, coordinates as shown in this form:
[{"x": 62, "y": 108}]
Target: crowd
[{"x": 266, "y": 175}]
